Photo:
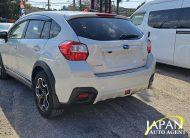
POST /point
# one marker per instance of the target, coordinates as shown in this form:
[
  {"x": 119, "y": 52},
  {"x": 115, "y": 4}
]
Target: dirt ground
[{"x": 120, "y": 117}]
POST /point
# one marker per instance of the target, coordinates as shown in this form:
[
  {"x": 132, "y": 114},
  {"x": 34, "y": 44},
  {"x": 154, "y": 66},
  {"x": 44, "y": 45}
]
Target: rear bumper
[{"x": 107, "y": 85}]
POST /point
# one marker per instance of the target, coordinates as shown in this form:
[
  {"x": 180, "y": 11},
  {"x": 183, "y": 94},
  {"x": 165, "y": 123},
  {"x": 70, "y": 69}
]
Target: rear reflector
[
  {"x": 127, "y": 92},
  {"x": 149, "y": 46},
  {"x": 74, "y": 51},
  {"x": 83, "y": 96}
]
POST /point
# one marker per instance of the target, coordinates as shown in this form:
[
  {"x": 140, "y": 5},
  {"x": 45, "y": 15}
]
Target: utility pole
[
  {"x": 92, "y": 4},
  {"x": 101, "y": 4},
  {"x": 113, "y": 3},
  {"x": 48, "y": 5},
  {"x": 117, "y": 10},
  {"x": 106, "y": 6},
  {"x": 110, "y": 6},
  {"x": 80, "y": 5},
  {"x": 74, "y": 4}
]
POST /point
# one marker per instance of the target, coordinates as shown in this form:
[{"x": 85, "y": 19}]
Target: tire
[
  {"x": 3, "y": 74},
  {"x": 43, "y": 93}
]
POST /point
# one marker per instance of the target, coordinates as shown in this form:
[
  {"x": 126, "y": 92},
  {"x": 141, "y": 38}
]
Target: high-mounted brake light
[
  {"x": 106, "y": 14},
  {"x": 149, "y": 46},
  {"x": 74, "y": 51}
]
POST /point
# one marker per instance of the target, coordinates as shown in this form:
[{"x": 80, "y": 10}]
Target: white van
[{"x": 167, "y": 24}]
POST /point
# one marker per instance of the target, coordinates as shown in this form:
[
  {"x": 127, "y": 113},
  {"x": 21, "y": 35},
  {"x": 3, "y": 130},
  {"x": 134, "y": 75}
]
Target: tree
[
  {"x": 9, "y": 9},
  {"x": 84, "y": 4}
]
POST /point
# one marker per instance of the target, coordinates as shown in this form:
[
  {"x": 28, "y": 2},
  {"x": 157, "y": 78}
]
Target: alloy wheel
[{"x": 42, "y": 94}]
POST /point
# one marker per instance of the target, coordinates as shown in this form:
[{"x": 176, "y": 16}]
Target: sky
[{"x": 57, "y": 4}]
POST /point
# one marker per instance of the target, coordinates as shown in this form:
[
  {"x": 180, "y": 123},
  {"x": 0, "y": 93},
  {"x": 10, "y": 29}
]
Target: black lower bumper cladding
[{"x": 92, "y": 92}]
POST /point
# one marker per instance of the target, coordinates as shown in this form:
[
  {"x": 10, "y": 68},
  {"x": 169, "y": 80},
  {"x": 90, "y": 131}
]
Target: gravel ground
[{"x": 121, "y": 117}]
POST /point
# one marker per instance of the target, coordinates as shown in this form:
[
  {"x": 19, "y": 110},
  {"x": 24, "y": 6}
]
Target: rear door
[
  {"x": 31, "y": 46},
  {"x": 162, "y": 24},
  {"x": 114, "y": 44},
  {"x": 182, "y": 46},
  {"x": 37, "y": 35}
]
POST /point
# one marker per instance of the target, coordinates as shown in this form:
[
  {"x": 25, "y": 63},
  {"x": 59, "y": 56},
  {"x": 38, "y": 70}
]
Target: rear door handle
[
  {"x": 36, "y": 48},
  {"x": 148, "y": 34}
]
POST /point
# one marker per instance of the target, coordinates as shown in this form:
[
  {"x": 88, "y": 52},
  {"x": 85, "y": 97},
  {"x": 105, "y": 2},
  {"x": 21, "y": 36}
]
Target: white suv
[
  {"x": 167, "y": 25},
  {"x": 73, "y": 58}
]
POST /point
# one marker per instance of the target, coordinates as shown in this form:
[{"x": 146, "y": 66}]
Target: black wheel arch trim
[
  {"x": 46, "y": 68},
  {"x": 1, "y": 61},
  {"x": 76, "y": 91}
]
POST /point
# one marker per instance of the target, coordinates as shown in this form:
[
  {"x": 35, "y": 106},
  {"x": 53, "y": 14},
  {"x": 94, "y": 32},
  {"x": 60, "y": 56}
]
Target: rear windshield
[{"x": 104, "y": 29}]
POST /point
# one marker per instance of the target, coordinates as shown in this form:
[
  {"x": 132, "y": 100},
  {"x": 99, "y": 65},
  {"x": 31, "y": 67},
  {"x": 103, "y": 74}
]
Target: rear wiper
[{"x": 126, "y": 37}]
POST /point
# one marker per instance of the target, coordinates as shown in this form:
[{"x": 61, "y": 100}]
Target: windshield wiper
[{"x": 127, "y": 37}]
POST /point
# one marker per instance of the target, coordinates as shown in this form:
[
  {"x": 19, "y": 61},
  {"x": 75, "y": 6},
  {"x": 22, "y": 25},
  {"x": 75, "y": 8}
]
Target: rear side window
[
  {"x": 34, "y": 29},
  {"x": 137, "y": 19},
  {"x": 164, "y": 19},
  {"x": 185, "y": 18},
  {"x": 55, "y": 29},
  {"x": 46, "y": 31},
  {"x": 103, "y": 29}
]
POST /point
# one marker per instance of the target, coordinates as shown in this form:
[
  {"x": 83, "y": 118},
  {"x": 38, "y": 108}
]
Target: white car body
[
  {"x": 5, "y": 27},
  {"x": 171, "y": 45},
  {"x": 110, "y": 74}
]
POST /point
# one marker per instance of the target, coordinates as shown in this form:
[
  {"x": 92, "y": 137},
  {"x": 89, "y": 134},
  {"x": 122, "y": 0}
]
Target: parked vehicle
[
  {"x": 72, "y": 58},
  {"x": 5, "y": 26},
  {"x": 167, "y": 24}
]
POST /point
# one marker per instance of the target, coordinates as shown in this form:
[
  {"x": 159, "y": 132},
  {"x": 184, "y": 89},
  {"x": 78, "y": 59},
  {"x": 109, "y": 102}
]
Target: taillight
[
  {"x": 149, "y": 46},
  {"x": 74, "y": 51}
]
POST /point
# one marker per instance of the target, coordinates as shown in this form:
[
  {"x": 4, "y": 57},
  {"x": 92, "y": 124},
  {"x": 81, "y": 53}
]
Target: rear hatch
[{"x": 114, "y": 44}]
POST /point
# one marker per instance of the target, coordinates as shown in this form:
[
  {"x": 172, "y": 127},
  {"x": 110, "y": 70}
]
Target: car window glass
[
  {"x": 34, "y": 29},
  {"x": 137, "y": 19},
  {"x": 46, "y": 30},
  {"x": 104, "y": 29},
  {"x": 18, "y": 31},
  {"x": 55, "y": 29},
  {"x": 185, "y": 18},
  {"x": 164, "y": 18}
]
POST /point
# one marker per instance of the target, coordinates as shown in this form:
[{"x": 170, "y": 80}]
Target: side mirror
[{"x": 4, "y": 35}]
